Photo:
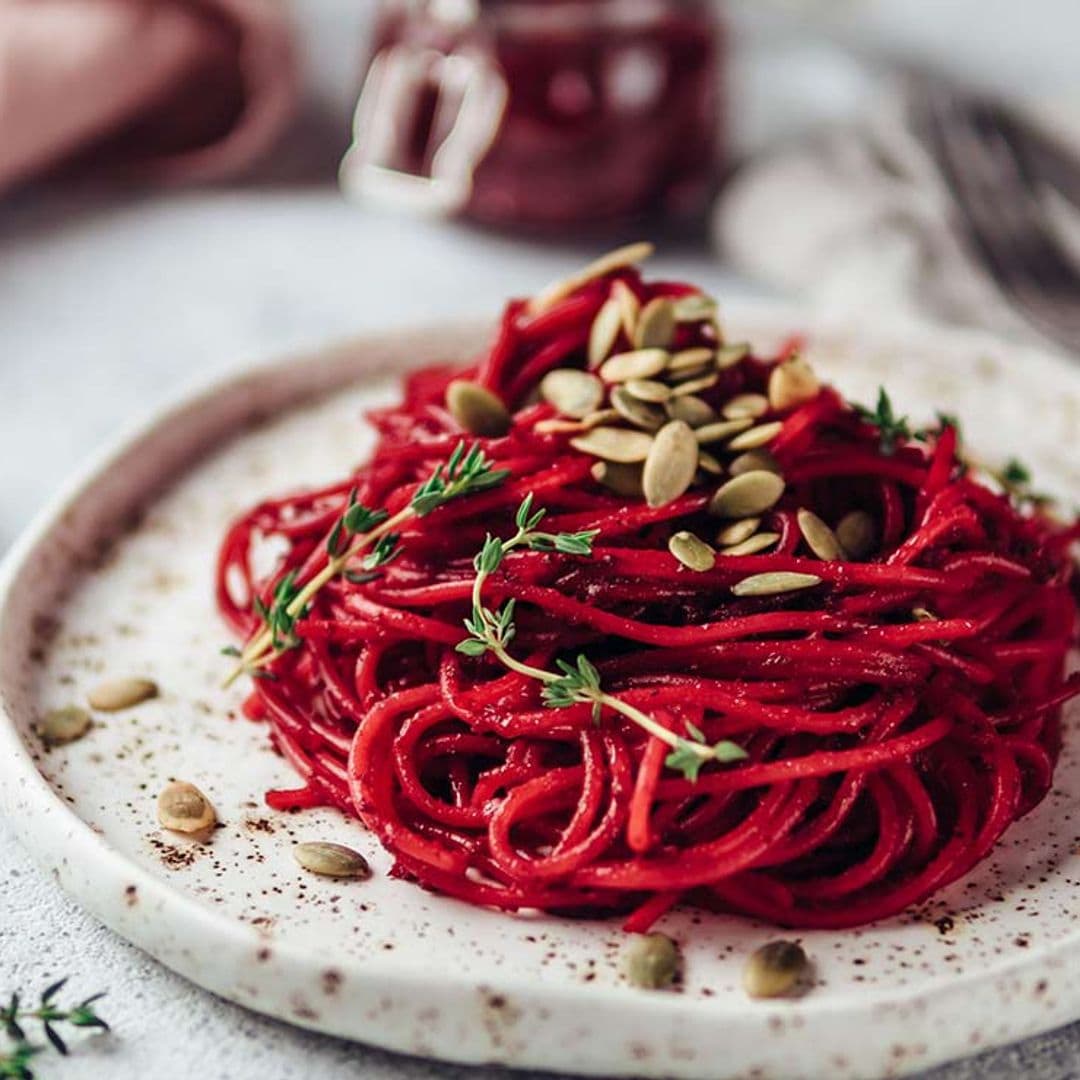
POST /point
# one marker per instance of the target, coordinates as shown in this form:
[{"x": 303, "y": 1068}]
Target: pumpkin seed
[
  {"x": 721, "y": 429},
  {"x": 652, "y": 962},
  {"x": 639, "y": 364},
  {"x": 792, "y": 383},
  {"x": 639, "y": 413},
  {"x": 693, "y": 386},
  {"x": 183, "y": 808},
  {"x": 558, "y": 427},
  {"x": 773, "y": 583},
  {"x": 708, "y": 464},
  {"x": 671, "y": 465},
  {"x": 738, "y": 531},
  {"x": 756, "y": 437},
  {"x": 752, "y": 405},
  {"x": 691, "y": 360},
  {"x": 731, "y": 355},
  {"x": 648, "y": 390},
  {"x": 331, "y": 860},
  {"x": 573, "y": 393},
  {"x": 656, "y": 324},
  {"x": 117, "y": 694},
  {"x": 758, "y": 542},
  {"x": 754, "y": 460},
  {"x": 921, "y": 614},
  {"x": 614, "y": 444},
  {"x": 692, "y": 552},
  {"x": 61, "y": 726},
  {"x": 819, "y": 537},
  {"x": 477, "y": 409},
  {"x": 690, "y": 410},
  {"x": 606, "y": 264},
  {"x": 747, "y": 495},
  {"x": 601, "y": 416},
  {"x": 774, "y": 969},
  {"x": 695, "y": 308},
  {"x": 629, "y": 307},
  {"x": 624, "y": 480},
  {"x": 857, "y": 533},
  {"x": 604, "y": 332}
]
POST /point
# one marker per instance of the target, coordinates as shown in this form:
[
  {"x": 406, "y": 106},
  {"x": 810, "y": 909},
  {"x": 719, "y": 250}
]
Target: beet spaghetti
[{"x": 623, "y": 615}]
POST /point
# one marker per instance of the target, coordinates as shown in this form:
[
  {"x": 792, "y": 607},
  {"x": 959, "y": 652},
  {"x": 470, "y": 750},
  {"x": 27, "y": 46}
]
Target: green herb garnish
[
  {"x": 576, "y": 683},
  {"x": 14, "y": 1019},
  {"x": 891, "y": 429}
]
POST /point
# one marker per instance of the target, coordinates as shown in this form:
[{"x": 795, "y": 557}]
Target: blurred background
[{"x": 189, "y": 185}]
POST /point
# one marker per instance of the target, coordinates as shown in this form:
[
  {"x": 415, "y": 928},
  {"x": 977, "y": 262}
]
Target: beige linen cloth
[{"x": 173, "y": 90}]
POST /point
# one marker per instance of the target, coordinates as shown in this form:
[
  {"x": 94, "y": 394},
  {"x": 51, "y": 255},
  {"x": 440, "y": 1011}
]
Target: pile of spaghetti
[{"x": 880, "y": 713}]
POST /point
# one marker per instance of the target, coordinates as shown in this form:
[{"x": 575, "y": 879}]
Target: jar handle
[{"x": 468, "y": 96}]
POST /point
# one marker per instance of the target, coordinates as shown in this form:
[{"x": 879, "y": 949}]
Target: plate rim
[{"x": 61, "y": 841}]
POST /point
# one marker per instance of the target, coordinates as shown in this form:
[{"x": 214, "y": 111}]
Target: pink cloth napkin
[{"x": 160, "y": 89}]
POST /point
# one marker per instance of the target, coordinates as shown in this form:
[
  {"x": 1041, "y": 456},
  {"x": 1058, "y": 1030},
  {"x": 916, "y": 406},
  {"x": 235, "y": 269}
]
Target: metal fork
[{"x": 999, "y": 208}]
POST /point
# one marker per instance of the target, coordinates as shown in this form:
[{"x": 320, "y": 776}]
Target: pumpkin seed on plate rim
[
  {"x": 635, "y": 411},
  {"x": 752, "y": 461},
  {"x": 655, "y": 324},
  {"x": 747, "y": 495},
  {"x": 573, "y": 393},
  {"x": 729, "y": 356},
  {"x": 331, "y": 860},
  {"x": 624, "y": 480},
  {"x": 58, "y": 727},
  {"x": 637, "y": 364},
  {"x": 614, "y": 444},
  {"x": 756, "y": 437},
  {"x": 183, "y": 808},
  {"x": 721, "y": 429},
  {"x": 738, "y": 531},
  {"x": 791, "y": 383},
  {"x": 477, "y": 409},
  {"x": 857, "y": 533},
  {"x": 752, "y": 545},
  {"x": 117, "y": 694},
  {"x": 650, "y": 390},
  {"x": 622, "y": 257},
  {"x": 604, "y": 332},
  {"x": 692, "y": 552},
  {"x": 671, "y": 465},
  {"x": 752, "y": 405},
  {"x": 652, "y": 962},
  {"x": 774, "y": 969},
  {"x": 691, "y": 410},
  {"x": 821, "y": 540},
  {"x": 774, "y": 583}
]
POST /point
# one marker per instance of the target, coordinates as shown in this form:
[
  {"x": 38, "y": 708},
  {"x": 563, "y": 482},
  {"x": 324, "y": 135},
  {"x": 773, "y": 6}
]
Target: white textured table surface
[{"x": 108, "y": 309}]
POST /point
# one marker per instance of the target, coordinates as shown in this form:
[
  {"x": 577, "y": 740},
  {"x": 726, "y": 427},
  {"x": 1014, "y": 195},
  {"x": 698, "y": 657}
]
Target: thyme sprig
[
  {"x": 891, "y": 428},
  {"x": 14, "y": 1018},
  {"x": 1015, "y": 477},
  {"x": 578, "y": 683},
  {"x": 361, "y": 529}
]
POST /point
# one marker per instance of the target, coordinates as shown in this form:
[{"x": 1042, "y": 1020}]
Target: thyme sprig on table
[
  {"x": 361, "y": 529},
  {"x": 578, "y": 683},
  {"x": 14, "y": 1018}
]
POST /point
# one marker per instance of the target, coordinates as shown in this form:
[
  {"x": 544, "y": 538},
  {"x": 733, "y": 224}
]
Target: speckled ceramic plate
[{"x": 115, "y": 580}]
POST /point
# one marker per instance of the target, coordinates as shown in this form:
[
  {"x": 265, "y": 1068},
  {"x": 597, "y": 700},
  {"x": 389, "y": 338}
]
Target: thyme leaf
[
  {"x": 891, "y": 428},
  {"x": 15, "y": 1062}
]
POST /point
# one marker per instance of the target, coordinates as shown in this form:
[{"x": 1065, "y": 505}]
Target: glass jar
[{"x": 543, "y": 114}]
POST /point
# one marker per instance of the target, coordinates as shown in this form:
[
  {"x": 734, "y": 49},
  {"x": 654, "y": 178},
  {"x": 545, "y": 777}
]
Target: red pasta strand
[{"x": 887, "y": 751}]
